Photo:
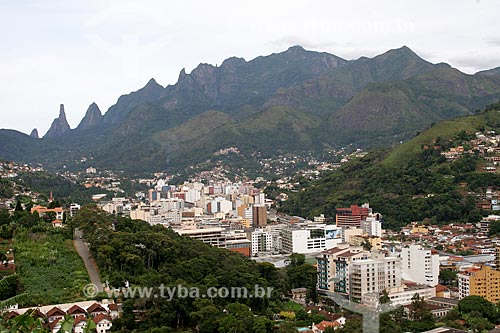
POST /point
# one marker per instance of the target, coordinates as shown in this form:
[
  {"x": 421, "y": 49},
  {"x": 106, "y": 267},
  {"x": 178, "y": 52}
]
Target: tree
[
  {"x": 4, "y": 217},
  {"x": 19, "y": 206},
  {"x": 367, "y": 245},
  {"x": 494, "y": 228},
  {"x": 262, "y": 325},
  {"x": 421, "y": 317},
  {"x": 448, "y": 276},
  {"x": 296, "y": 259},
  {"x": 206, "y": 317},
  {"x": 384, "y": 297},
  {"x": 287, "y": 328},
  {"x": 329, "y": 329},
  {"x": 353, "y": 325},
  {"x": 477, "y": 304},
  {"x": 477, "y": 322},
  {"x": 231, "y": 324}
]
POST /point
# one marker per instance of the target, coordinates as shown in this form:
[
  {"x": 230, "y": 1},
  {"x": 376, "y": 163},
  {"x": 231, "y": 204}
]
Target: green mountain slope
[
  {"x": 412, "y": 182},
  {"x": 330, "y": 91},
  {"x": 296, "y": 100},
  {"x": 400, "y": 108}
]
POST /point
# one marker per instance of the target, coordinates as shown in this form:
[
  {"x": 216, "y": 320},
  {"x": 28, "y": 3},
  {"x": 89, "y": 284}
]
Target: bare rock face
[
  {"x": 59, "y": 126},
  {"x": 93, "y": 117},
  {"x": 34, "y": 133}
]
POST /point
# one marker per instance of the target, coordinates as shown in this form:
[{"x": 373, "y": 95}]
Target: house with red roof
[
  {"x": 55, "y": 313},
  {"x": 103, "y": 323},
  {"x": 319, "y": 328},
  {"x": 96, "y": 309},
  {"x": 79, "y": 324},
  {"x": 75, "y": 311}
]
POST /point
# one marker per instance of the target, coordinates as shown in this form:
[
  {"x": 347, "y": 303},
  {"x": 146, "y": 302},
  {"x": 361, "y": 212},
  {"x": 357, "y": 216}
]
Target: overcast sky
[{"x": 79, "y": 52}]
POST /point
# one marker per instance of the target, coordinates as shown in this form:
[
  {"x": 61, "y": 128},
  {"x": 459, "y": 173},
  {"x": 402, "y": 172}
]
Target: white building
[
  {"x": 400, "y": 295},
  {"x": 310, "y": 238},
  {"x": 220, "y": 205},
  {"x": 166, "y": 205},
  {"x": 420, "y": 265},
  {"x": 373, "y": 275},
  {"x": 372, "y": 225},
  {"x": 262, "y": 241},
  {"x": 73, "y": 209},
  {"x": 211, "y": 236}
]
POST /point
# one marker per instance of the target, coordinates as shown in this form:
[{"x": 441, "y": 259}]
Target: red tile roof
[
  {"x": 96, "y": 307},
  {"x": 55, "y": 311},
  {"x": 75, "y": 309},
  {"x": 324, "y": 324},
  {"x": 100, "y": 317}
]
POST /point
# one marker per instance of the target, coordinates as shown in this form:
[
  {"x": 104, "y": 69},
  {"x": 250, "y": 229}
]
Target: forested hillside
[{"x": 412, "y": 182}]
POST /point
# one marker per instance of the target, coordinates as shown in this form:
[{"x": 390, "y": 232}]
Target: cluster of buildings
[
  {"x": 408, "y": 263},
  {"x": 362, "y": 275},
  {"x": 456, "y": 239},
  {"x": 102, "y": 314},
  {"x": 486, "y": 143},
  {"x": 237, "y": 216},
  {"x": 12, "y": 169}
]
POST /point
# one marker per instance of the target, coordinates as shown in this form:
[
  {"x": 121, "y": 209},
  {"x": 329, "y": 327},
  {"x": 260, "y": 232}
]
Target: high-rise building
[
  {"x": 262, "y": 241},
  {"x": 352, "y": 216},
  {"x": 259, "y": 216},
  {"x": 420, "y": 265},
  {"x": 375, "y": 274},
  {"x": 372, "y": 225},
  {"x": 333, "y": 267},
  {"x": 483, "y": 281}
]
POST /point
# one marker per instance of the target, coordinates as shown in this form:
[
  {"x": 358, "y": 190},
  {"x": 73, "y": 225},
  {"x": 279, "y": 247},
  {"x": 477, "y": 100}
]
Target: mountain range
[{"x": 293, "y": 101}]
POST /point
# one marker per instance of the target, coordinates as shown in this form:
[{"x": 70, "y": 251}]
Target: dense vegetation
[
  {"x": 144, "y": 255},
  {"x": 49, "y": 269},
  {"x": 423, "y": 186},
  {"x": 65, "y": 190}
]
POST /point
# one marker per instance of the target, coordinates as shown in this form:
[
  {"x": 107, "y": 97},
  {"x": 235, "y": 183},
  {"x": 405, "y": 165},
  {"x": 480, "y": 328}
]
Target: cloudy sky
[{"x": 79, "y": 52}]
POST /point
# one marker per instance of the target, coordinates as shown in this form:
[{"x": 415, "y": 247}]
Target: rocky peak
[
  {"x": 92, "y": 118},
  {"x": 152, "y": 85},
  {"x": 34, "y": 133},
  {"x": 296, "y": 49},
  {"x": 59, "y": 126},
  {"x": 231, "y": 64},
  {"x": 203, "y": 77}
]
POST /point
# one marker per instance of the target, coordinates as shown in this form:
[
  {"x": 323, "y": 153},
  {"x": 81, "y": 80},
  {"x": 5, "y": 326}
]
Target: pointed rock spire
[
  {"x": 59, "y": 126},
  {"x": 34, "y": 133},
  {"x": 92, "y": 118}
]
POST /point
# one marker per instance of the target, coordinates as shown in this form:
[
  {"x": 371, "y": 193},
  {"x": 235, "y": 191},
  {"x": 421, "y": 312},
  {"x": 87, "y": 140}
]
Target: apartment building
[
  {"x": 262, "y": 241},
  {"x": 373, "y": 274},
  {"x": 483, "y": 281},
  {"x": 333, "y": 267},
  {"x": 420, "y": 265},
  {"x": 259, "y": 215}
]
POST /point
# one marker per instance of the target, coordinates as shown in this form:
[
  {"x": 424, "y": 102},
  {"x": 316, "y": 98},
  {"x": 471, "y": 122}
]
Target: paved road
[{"x": 84, "y": 252}]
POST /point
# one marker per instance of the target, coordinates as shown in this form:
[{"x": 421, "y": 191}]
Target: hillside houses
[{"x": 101, "y": 314}]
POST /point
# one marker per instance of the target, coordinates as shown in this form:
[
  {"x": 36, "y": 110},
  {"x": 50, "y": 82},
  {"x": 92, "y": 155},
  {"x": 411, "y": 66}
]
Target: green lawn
[{"x": 50, "y": 271}]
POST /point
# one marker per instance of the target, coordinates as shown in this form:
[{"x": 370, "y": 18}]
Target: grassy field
[{"x": 50, "y": 271}]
